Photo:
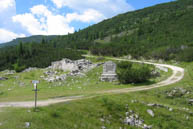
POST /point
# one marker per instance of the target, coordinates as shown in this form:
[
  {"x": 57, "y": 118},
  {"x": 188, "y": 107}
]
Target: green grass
[
  {"x": 86, "y": 114},
  {"x": 12, "y": 90}
]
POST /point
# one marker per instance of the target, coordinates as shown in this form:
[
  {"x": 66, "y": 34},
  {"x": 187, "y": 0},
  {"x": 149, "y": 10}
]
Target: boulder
[
  {"x": 177, "y": 92},
  {"x": 27, "y": 124},
  {"x": 190, "y": 101},
  {"x": 150, "y": 112},
  {"x": 3, "y": 78}
]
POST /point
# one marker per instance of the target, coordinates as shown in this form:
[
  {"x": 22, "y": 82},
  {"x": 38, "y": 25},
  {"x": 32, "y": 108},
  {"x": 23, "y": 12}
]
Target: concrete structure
[{"x": 109, "y": 72}]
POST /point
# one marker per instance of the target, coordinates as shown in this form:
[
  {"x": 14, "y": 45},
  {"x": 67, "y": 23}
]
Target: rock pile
[
  {"x": 190, "y": 101},
  {"x": 29, "y": 69},
  {"x": 159, "y": 106},
  {"x": 75, "y": 68},
  {"x": 51, "y": 76},
  {"x": 177, "y": 92},
  {"x": 133, "y": 119},
  {"x": 9, "y": 72},
  {"x": 69, "y": 65},
  {"x": 3, "y": 78},
  {"x": 27, "y": 124}
]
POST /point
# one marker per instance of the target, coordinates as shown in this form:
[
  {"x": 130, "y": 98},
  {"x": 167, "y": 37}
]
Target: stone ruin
[
  {"x": 73, "y": 68},
  {"x": 109, "y": 72},
  {"x": 69, "y": 65}
]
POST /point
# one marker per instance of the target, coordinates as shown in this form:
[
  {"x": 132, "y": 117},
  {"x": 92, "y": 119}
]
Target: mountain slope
[
  {"x": 36, "y": 38},
  {"x": 161, "y": 31},
  {"x": 164, "y": 31}
]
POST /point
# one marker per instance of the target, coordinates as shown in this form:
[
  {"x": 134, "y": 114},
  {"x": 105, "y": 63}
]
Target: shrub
[
  {"x": 133, "y": 73},
  {"x": 186, "y": 55},
  {"x": 19, "y": 68}
]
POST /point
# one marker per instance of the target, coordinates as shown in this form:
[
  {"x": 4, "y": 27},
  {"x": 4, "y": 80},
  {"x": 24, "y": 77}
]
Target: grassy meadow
[
  {"x": 19, "y": 87},
  {"x": 103, "y": 110}
]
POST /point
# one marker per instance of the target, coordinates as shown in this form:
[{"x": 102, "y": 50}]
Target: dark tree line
[{"x": 34, "y": 55}]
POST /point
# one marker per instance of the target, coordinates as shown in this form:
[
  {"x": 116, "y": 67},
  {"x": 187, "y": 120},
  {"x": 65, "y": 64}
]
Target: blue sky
[{"x": 20, "y": 18}]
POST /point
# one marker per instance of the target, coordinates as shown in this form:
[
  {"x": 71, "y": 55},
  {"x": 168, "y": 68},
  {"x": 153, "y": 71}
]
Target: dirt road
[{"x": 178, "y": 74}]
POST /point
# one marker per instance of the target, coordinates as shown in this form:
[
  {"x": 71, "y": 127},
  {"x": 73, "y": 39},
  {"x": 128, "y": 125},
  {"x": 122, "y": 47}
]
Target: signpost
[{"x": 35, "y": 82}]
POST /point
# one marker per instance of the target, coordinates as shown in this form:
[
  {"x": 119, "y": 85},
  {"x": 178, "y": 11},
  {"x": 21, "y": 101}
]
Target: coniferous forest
[
  {"x": 163, "y": 31},
  {"x": 34, "y": 55}
]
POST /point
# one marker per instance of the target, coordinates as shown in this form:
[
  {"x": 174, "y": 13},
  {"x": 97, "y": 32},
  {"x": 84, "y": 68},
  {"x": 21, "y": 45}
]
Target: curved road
[{"x": 178, "y": 74}]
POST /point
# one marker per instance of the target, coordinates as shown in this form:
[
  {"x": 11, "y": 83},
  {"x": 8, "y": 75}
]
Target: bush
[
  {"x": 19, "y": 68},
  {"x": 133, "y": 73},
  {"x": 186, "y": 55}
]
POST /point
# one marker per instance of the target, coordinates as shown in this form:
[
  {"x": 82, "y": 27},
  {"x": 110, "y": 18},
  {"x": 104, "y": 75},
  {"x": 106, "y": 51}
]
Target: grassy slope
[{"x": 86, "y": 114}]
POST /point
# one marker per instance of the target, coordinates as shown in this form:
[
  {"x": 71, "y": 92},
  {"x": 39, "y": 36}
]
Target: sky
[{"x": 21, "y": 18}]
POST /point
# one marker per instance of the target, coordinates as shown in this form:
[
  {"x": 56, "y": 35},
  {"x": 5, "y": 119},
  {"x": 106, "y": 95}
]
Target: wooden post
[{"x": 36, "y": 93}]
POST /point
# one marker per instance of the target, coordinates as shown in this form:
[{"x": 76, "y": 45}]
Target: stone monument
[{"x": 109, "y": 72}]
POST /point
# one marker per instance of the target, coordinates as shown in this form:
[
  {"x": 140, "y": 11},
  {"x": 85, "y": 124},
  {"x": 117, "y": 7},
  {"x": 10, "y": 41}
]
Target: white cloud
[
  {"x": 108, "y": 8},
  {"x": 57, "y": 25},
  {"x": 6, "y": 36},
  {"x": 5, "y": 4},
  {"x": 7, "y": 11},
  {"x": 41, "y": 21},
  {"x": 89, "y": 15},
  {"x": 29, "y": 22},
  {"x": 40, "y": 10}
]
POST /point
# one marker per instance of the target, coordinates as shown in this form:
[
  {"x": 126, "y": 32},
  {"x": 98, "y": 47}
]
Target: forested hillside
[
  {"x": 34, "y": 55},
  {"x": 36, "y": 38},
  {"x": 163, "y": 31}
]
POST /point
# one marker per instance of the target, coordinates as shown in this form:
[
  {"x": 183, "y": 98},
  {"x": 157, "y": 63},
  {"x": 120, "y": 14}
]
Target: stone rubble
[
  {"x": 9, "y": 72},
  {"x": 29, "y": 69},
  {"x": 150, "y": 112},
  {"x": 190, "y": 101},
  {"x": 133, "y": 119},
  {"x": 3, "y": 78},
  {"x": 69, "y": 65},
  {"x": 159, "y": 106},
  {"x": 75, "y": 68},
  {"x": 177, "y": 92},
  {"x": 27, "y": 124}
]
